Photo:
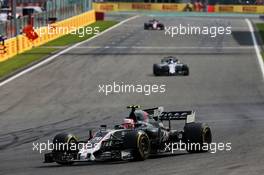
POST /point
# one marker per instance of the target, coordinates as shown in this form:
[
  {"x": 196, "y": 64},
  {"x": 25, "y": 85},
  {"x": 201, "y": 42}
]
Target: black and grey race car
[
  {"x": 143, "y": 136},
  {"x": 153, "y": 25},
  {"x": 170, "y": 66}
]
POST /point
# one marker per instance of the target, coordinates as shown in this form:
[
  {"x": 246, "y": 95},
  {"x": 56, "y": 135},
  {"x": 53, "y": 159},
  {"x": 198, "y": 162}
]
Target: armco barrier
[
  {"x": 105, "y": 7},
  {"x": 21, "y": 43}
]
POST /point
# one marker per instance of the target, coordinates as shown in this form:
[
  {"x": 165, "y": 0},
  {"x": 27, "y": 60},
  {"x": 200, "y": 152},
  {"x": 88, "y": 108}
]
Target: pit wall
[
  {"x": 172, "y": 7},
  {"x": 21, "y": 44}
]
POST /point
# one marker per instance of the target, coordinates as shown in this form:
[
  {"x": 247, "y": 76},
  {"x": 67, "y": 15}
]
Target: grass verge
[
  {"x": 22, "y": 60},
  {"x": 260, "y": 27}
]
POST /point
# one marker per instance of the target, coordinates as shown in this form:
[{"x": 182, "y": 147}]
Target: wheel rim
[{"x": 144, "y": 145}]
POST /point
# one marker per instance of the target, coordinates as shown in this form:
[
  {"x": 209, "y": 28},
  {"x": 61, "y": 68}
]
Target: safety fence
[
  {"x": 21, "y": 43},
  {"x": 59, "y": 10},
  {"x": 172, "y": 7}
]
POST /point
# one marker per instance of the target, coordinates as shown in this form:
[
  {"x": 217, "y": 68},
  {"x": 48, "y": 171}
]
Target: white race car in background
[{"x": 170, "y": 66}]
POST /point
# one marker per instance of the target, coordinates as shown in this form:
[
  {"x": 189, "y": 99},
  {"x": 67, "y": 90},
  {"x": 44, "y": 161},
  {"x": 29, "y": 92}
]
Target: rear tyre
[
  {"x": 139, "y": 143},
  {"x": 145, "y": 27},
  {"x": 186, "y": 70},
  {"x": 197, "y": 137},
  {"x": 62, "y": 146}
]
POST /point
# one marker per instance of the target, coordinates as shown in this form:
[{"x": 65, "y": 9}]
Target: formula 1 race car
[
  {"x": 170, "y": 66},
  {"x": 140, "y": 135},
  {"x": 153, "y": 25}
]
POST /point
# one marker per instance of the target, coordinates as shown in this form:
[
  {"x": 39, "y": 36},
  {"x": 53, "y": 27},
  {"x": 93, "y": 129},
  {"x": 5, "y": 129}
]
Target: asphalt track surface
[{"x": 225, "y": 88}]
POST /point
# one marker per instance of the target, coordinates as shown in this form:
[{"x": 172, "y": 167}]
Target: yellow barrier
[
  {"x": 21, "y": 43},
  {"x": 259, "y": 9},
  {"x": 105, "y": 7}
]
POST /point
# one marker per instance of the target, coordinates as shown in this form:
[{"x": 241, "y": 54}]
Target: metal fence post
[
  {"x": 14, "y": 17},
  {"x": 15, "y": 25},
  {"x": 90, "y": 4}
]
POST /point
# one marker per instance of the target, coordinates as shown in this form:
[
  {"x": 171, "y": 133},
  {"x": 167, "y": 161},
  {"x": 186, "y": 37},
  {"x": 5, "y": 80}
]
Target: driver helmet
[
  {"x": 155, "y": 21},
  {"x": 171, "y": 61},
  {"x": 128, "y": 123},
  {"x": 142, "y": 116}
]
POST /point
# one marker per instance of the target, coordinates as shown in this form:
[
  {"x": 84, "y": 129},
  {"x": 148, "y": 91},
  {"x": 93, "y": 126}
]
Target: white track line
[
  {"x": 260, "y": 60},
  {"x": 60, "y": 53},
  {"x": 156, "y": 47}
]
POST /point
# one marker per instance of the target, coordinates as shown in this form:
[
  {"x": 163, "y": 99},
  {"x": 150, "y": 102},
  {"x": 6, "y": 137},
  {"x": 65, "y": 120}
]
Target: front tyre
[
  {"x": 139, "y": 143},
  {"x": 143, "y": 147},
  {"x": 146, "y": 27},
  {"x": 63, "y": 144},
  {"x": 156, "y": 70}
]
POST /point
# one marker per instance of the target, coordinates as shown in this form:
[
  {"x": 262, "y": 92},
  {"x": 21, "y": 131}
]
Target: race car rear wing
[
  {"x": 189, "y": 116},
  {"x": 159, "y": 114}
]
